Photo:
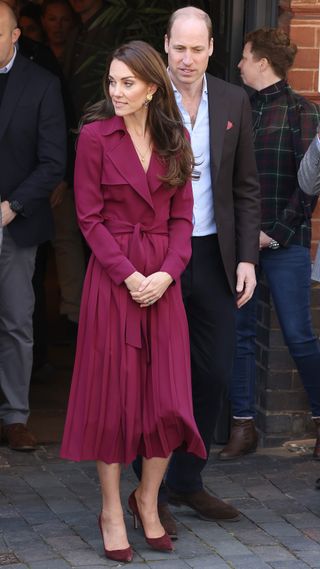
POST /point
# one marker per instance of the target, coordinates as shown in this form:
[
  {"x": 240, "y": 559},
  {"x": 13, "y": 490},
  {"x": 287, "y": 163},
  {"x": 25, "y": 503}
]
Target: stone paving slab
[{"x": 49, "y": 509}]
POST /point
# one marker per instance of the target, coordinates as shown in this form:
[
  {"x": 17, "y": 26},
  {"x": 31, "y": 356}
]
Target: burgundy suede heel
[
  {"x": 162, "y": 543},
  {"x": 121, "y": 555}
]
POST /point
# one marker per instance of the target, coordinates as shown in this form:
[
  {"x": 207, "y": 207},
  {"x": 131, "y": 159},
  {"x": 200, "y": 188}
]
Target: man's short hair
[
  {"x": 275, "y": 45},
  {"x": 189, "y": 12},
  {"x": 11, "y": 12}
]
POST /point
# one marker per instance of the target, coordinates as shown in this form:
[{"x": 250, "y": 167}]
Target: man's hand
[
  {"x": 264, "y": 240},
  {"x": 246, "y": 282},
  {"x": 7, "y": 214},
  {"x": 58, "y": 194},
  {"x": 152, "y": 288}
]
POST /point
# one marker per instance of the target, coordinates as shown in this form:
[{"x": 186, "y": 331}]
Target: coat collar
[
  {"x": 125, "y": 159},
  {"x": 17, "y": 80}
]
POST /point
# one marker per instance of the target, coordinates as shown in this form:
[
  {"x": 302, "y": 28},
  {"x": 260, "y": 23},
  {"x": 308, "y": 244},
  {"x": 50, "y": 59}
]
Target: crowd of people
[{"x": 185, "y": 192}]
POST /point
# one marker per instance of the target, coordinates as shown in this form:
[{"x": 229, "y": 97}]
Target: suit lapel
[
  {"x": 218, "y": 117},
  {"x": 14, "y": 91}
]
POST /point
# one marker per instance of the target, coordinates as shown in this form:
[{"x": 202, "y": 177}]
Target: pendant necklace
[{"x": 142, "y": 156}]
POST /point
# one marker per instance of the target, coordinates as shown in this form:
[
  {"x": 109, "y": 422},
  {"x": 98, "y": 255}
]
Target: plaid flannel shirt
[{"x": 284, "y": 124}]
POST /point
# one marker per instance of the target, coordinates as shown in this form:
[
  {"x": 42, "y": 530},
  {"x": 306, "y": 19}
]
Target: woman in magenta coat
[{"x": 131, "y": 387}]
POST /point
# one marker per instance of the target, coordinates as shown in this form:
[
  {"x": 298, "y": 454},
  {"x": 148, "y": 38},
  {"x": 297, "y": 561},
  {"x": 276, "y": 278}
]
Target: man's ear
[
  {"x": 211, "y": 46},
  {"x": 166, "y": 43},
  {"x": 263, "y": 64},
  {"x": 16, "y": 33}
]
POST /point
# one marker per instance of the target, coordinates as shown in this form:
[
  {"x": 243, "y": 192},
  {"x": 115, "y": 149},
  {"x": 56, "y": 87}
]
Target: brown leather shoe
[
  {"x": 207, "y": 507},
  {"x": 243, "y": 439},
  {"x": 316, "y": 450},
  {"x": 18, "y": 437},
  {"x": 168, "y": 521}
]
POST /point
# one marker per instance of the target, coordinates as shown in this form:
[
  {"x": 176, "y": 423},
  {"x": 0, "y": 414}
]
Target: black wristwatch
[{"x": 16, "y": 206}]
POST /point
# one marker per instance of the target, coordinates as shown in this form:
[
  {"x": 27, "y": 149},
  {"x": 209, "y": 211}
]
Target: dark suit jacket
[
  {"x": 234, "y": 175},
  {"x": 32, "y": 148}
]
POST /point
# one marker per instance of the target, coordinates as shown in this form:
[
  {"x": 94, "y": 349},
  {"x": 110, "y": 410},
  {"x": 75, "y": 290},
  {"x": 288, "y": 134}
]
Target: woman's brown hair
[{"x": 164, "y": 120}]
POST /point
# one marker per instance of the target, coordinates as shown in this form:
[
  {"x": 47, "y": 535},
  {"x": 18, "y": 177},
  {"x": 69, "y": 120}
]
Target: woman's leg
[
  {"x": 112, "y": 522},
  {"x": 153, "y": 471}
]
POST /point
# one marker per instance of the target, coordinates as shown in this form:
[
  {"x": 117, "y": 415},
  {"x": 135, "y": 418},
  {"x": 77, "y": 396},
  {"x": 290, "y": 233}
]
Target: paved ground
[{"x": 49, "y": 507}]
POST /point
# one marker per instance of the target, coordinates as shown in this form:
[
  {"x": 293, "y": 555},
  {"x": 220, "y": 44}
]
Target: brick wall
[{"x": 304, "y": 30}]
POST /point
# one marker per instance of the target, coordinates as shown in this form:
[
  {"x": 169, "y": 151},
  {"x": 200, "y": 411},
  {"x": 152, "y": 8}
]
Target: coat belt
[{"x": 136, "y": 318}]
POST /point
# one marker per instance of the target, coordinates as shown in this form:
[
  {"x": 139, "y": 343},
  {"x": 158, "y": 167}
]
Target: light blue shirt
[
  {"x": 7, "y": 67},
  {"x": 203, "y": 210}
]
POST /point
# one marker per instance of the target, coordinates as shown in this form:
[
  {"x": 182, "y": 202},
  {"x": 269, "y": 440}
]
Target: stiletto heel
[
  {"x": 135, "y": 521},
  {"x": 121, "y": 555},
  {"x": 162, "y": 543}
]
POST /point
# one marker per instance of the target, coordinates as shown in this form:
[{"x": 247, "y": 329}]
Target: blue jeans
[{"x": 287, "y": 271}]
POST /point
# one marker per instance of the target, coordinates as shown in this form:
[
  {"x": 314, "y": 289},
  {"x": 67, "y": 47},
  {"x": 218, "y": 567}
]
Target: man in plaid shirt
[{"x": 284, "y": 124}]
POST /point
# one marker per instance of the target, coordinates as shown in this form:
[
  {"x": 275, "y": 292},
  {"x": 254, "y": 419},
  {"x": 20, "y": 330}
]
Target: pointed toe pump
[
  {"x": 162, "y": 543},
  {"x": 120, "y": 555}
]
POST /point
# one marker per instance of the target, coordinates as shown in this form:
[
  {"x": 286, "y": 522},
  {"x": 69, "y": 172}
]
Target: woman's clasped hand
[{"x": 148, "y": 290}]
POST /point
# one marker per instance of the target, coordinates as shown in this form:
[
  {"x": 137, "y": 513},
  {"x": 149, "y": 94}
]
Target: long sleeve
[
  {"x": 51, "y": 151},
  {"x": 309, "y": 171},
  {"x": 90, "y": 203},
  {"x": 180, "y": 231}
]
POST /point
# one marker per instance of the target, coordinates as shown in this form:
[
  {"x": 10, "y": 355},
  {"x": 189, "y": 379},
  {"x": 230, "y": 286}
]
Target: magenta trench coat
[{"x": 131, "y": 386}]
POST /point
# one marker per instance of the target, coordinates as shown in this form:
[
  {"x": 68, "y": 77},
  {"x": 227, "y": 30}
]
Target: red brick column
[{"x": 304, "y": 30}]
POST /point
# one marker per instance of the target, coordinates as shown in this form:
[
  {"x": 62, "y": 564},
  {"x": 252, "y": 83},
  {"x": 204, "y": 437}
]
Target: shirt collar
[
  {"x": 7, "y": 67},
  {"x": 272, "y": 91}
]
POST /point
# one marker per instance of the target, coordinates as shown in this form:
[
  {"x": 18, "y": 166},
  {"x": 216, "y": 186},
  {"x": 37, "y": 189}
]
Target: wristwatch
[
  {"x": 274, "y": 244},
  {"x": 16, "y": 206}
]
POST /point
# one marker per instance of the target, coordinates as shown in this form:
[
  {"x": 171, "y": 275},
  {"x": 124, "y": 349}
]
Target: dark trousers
[{"x": 210, "y": 308}]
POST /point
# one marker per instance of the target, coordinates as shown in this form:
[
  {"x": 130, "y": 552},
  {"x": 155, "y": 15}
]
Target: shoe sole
[
  {"x": 206, "y": 519},
  {"x": 251, "y": 451}
]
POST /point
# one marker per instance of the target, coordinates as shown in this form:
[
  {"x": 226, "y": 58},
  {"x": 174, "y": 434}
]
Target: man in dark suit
[
  {"x": 225, "y": 242},
  {"x": 32, "y": 162}
]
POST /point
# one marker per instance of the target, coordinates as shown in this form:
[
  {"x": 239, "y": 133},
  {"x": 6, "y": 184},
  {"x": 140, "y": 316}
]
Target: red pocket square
[{"x": 229, "y": 125}]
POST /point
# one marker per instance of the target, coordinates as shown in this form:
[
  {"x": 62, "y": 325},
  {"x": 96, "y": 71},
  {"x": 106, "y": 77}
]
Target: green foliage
[
  {"x": 127, "y": 20},
  {"x": 138, "y": 19}
]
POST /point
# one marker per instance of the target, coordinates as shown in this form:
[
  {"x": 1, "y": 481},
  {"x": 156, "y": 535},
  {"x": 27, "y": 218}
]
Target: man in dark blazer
[
  {"x": 225, "y": 242},
  {"x": 32, "y": 162}
]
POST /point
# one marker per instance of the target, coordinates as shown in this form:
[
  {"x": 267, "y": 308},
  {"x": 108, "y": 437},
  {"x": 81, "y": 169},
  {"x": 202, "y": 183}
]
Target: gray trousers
[{"x": 16, "y": 336}]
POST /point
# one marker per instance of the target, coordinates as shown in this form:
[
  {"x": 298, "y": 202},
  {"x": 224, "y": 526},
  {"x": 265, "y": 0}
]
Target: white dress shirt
[{"x": 203, "y": 210}]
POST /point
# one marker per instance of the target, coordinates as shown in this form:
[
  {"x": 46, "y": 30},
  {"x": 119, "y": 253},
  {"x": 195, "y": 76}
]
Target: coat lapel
[
  {"x": 156, "y": 169},
  {"x": 15, "y": 87},
  {"x": 125, "y": 159},
  {"x": 218, "y": 116}
]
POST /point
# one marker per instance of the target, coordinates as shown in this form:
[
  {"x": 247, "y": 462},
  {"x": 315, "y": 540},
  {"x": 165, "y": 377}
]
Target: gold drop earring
[{"x": 148, "y": 99}]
